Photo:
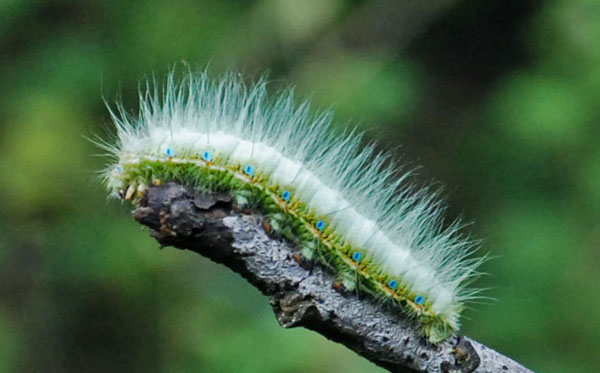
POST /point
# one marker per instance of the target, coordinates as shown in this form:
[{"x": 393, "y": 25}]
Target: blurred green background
[{"x": 497, "y": 100}]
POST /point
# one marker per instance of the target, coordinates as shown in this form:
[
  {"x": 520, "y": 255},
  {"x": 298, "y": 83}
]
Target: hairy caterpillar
[{"x": 341, "y": 202}]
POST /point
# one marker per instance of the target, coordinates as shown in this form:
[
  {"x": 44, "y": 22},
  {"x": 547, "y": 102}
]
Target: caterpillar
[{"x": 344, "y": 204}]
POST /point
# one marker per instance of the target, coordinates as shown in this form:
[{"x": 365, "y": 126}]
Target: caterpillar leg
[
  {"x": 303, "y": 261},
  {"x": 242, "y": 199},
  {"x": 305, "y": 257},
  {"x": 346, "y": 282}
]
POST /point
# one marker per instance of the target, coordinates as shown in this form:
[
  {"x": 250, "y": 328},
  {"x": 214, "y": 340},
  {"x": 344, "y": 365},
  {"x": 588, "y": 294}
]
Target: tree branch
[{"x": 303, "y": 294}]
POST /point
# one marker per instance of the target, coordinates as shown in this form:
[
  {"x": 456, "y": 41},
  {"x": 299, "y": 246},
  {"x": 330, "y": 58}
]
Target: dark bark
[{"x": 302, "y": 293}]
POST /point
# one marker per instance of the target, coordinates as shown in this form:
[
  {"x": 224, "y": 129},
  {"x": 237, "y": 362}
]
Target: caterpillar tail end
[{"x": 437, "y": 330}]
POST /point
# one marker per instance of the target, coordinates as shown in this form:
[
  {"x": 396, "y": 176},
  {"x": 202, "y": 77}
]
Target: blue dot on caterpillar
[
  {"x": 393, "y": 284},
  {"x": 249, "y": 170},
  {"x": 207, "y": 156},
  {"x": 286, "y": 195},
  {"x": 420, "y": 300},
  {"x": 169, "y": 152},
  {"x": 357, "y": 256},
  {"x": 320, "y": 225}
]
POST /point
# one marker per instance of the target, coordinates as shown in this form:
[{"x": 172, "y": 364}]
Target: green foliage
[{"x": 515, "y": 142}]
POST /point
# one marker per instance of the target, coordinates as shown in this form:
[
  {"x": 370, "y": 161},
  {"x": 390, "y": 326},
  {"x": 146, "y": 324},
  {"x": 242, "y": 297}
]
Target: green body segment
[{"x": 293, "y": 220}]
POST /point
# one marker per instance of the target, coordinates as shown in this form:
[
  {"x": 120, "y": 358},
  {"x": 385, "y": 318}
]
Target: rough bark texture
[{"x": 302, "y": 294}]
